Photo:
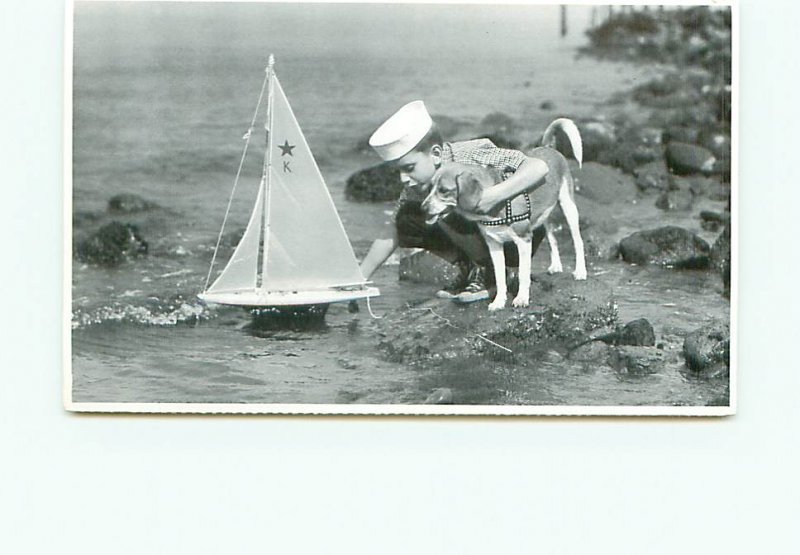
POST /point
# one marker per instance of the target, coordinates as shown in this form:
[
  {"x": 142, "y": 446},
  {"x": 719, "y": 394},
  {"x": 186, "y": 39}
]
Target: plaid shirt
[{"x": 479, "y": 152}]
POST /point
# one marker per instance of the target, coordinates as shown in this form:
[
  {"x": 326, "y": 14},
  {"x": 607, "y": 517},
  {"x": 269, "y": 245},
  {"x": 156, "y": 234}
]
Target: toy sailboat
[{"x": 294, "y": 251}]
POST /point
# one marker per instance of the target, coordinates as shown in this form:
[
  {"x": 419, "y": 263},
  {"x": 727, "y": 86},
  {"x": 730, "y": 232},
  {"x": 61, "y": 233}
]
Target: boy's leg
[
  {"x": 467, "y": 237},
  {"x": 414, "y": 232},
  {"x": 458, "y": 249}
]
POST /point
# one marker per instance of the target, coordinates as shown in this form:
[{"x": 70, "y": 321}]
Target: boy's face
[{"x": 417, "y": 167}]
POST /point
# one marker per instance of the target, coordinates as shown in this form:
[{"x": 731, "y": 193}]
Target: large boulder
[
  {"x": 669, "y": 246},
  {"x": 562, "y": 312},
  {"x": 707, "y": 349},
  {"x": 636, "y": 333},
  {"x": 111, "y": 245},
  {"x": 686, "y": 159},
  {"x": 375, "y": 184}
]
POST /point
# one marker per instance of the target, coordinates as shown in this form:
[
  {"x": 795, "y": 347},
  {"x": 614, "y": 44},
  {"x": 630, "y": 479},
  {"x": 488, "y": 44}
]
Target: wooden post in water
[{"x": 563, "y": 21}]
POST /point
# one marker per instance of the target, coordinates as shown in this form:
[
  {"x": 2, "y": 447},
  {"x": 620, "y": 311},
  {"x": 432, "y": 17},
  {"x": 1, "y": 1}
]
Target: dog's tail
[{"x": 568, "y": 127}]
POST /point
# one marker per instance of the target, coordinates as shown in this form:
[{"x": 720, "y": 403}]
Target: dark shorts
[{"x": 413, "y": 232}]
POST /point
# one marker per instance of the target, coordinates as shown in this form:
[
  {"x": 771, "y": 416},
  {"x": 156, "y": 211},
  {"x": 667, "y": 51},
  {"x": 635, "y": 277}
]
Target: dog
[{"x": 459, "y": 187}]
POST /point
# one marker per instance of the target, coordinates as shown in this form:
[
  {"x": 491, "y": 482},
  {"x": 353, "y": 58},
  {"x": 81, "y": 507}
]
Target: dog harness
[{"x": 509, "y": 217}]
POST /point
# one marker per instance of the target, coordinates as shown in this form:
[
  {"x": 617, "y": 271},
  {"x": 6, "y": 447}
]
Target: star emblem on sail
[{"x": 295, "y": 250}]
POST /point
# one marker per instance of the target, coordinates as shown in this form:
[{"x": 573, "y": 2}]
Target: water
[{"x": 162, "y": 96}]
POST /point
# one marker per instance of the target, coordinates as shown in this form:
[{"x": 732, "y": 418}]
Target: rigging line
[
  {"x": 266, "y": 168},
  {"x": 236, "y": 179},
  {"x": 448, "y": 323},
  {"x": 369, "y": 308}
]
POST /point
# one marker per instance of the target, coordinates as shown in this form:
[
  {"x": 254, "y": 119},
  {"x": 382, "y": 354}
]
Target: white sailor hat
[{"x": 402, "y": 132}]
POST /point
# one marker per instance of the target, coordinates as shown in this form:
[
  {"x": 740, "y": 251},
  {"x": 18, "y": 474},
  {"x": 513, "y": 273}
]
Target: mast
[{"x": 266, "y": 175}]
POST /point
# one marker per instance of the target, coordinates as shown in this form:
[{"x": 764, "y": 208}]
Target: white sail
[
  {"x": 307, "y": 258},
  {"x": 242, "y": 269},
  {"x": 307, "y": 247}
]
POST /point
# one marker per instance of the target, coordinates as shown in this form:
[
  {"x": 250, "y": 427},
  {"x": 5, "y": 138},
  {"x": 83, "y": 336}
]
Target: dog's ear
[{"x": 470, "y": 191}]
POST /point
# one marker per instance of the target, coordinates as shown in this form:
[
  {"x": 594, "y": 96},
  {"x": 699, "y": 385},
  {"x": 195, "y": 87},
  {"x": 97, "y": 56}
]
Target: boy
[{"x": 410, "y": 140}]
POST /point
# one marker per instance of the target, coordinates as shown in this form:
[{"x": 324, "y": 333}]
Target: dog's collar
[{"x": 509, "y": 217}]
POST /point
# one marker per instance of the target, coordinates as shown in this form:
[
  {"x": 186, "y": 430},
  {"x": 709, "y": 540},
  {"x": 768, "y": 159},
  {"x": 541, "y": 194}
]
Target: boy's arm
[
  {"x": 380, "y": 250},
  {"x": 529, "y": 176}
]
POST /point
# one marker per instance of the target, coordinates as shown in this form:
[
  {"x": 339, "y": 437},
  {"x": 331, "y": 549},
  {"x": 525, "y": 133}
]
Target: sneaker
[
  {"x": 459, "y": 282},
  {"x": 475, "y": 289}
]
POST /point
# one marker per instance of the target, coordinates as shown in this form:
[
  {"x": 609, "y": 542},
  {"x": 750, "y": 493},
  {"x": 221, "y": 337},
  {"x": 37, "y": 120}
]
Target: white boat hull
[{"x": 258, "y": 299}]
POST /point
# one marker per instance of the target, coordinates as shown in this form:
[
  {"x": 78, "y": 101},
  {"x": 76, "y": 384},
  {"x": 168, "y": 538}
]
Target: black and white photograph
[{"x": 388, "y": 208}]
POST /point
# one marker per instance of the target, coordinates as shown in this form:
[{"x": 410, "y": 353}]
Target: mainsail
[{"x": 306, "y": 256}]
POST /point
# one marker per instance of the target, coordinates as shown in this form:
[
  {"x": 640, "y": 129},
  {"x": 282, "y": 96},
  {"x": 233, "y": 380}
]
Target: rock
[
  {"x": 596, "y": 136},
  {"x": 668, "y": 91},
  {"x": 686, "y": 159},
  {"x": 636, "y": 361},
  {"x": 707, "y": 349},
  {"x": 375, "y": 184},
  {"x": 652, "y": 176},
  {"x": 127, "y": 203},
  {"x": 669, "y": 246},
  {"x": 713, "y": 221},
  {"x": 721, "y": 257},
  {"x": 547, "y": 105},
  {"x": 441, "y": 396},
  {"x": 562, "y": 312},
  {"x": 424, "y": 267},
  {"x": 111, "y": 244},
  {"x": 637, "y": 333},
  {"x": 628, "y": 155}
]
